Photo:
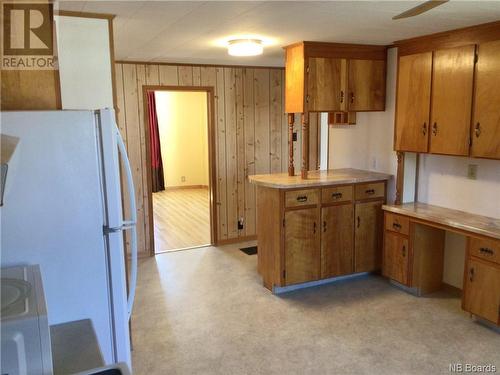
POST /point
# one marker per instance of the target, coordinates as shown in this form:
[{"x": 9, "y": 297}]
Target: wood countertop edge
[{"x": 444, "y": 221}]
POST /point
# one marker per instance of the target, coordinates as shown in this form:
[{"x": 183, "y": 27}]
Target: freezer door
[{"x": 111, "y": 149}]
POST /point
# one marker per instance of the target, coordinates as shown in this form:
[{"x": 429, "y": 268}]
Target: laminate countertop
[
  {"x": 317, "y": 178},
  {"x": 484, "y": 225}
]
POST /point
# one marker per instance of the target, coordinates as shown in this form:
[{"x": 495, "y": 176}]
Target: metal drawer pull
[
  {"x": 477, "y": 130},
  {"x": 471, "y": 274},
  {"x": 302, "y": 198},
  {"x": 396, "y": 226},
  {"x": 370, "y": 191},
  {"x": 314, "y": 228},
  {"x": 486, "y": 250},
  {"x": 424, "y": 128},
  {"x": 435, "y": 129},
  {"x": 324, "y": 226},
  {"x": 404, "y": 251},
  {"x": 336, "y": 195}
]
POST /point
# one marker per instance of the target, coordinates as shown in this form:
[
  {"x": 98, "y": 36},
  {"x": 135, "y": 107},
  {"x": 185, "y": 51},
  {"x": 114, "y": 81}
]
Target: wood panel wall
[{"x": 251, "y": 135}]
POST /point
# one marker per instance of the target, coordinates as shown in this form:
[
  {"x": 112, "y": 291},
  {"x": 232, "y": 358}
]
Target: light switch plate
[{"x": 472, "y": 172}]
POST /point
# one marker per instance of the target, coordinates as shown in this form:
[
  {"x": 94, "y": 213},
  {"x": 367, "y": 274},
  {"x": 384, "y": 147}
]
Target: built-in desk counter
[
  {"x": 325, "y": 226},
  {"x": 413, "y": 253}
]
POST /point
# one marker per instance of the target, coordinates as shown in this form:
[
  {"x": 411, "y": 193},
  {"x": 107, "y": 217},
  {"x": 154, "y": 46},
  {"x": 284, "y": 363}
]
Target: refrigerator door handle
[{"x": 129, "y": 224}]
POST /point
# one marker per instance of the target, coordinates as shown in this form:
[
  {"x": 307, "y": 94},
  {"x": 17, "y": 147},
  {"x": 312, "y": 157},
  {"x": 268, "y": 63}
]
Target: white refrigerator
[{"x": 62, "y": 209}]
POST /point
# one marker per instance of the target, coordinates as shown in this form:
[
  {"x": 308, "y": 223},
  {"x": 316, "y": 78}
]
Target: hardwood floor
[{"x": 181, "y": 219}]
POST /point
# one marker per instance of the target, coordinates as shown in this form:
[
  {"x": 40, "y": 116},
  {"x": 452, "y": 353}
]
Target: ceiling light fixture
[{"x": 245, "y": 47}]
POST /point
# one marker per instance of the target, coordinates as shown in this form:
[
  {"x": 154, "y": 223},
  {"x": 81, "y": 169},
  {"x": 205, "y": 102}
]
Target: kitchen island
[{"x": 318, "y": 228}]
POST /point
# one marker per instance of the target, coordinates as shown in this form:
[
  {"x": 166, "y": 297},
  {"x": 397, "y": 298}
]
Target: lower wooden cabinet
[
  {"x": 482, "y": 289},
  {"x": 337, "y": 241},
  {"x": 396, "y": 255},
  {"x": 367, "y": 236},
  {"x": 302, "y": 253}
]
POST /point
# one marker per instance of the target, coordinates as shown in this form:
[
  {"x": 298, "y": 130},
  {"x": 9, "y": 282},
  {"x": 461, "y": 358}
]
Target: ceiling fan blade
[{"x": 419, "y": 9}]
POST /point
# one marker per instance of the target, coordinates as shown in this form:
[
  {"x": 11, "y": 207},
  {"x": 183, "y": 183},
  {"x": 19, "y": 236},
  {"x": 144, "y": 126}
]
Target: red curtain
[{"x": 158, "y": 182}]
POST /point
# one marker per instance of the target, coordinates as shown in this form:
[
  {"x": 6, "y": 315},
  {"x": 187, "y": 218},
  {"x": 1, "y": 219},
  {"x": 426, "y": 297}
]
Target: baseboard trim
[
  {"x": 186, "y": 187},
  {"x": 289, "y": 288},
  {"x": 236, "y": 240}
]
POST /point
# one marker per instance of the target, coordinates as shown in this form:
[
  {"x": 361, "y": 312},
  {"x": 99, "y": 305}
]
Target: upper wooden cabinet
[
  {"x": 447, "y": 93},
  {"x": 451, "y": 104},
  {"x": 486, "y": 119},
  {"x": 328, "y": 77},
  {"x": 413, "y": 102}
]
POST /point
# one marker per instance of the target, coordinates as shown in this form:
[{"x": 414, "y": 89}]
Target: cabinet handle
[
  {"x": 370, "y": 191},
  {"x": 404, "y": 251},
  {"x": 486, "y": 250},
  {"x": 314, "y": 227},
  {"x": 307, "y": 98},
  {"x": 424, "y": 128},
  {"x": 396, "y": 226},
  {"x": 352, "y": 98},
  {"x": 341, "y": 96},
  {"x": 477, "y": 130},
  {"x": 435, "y": 128},
  {"x": 471, "y": 274},
  {"x": 302, "y": 198},
  {"x": 324, "y": 226},
  {"x": 336, "y": 195},
  {"x": 359, "y": 222}
]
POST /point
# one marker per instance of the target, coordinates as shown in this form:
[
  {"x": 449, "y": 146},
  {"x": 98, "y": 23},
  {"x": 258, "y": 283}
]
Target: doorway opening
[{"x": 180, "y": 164}]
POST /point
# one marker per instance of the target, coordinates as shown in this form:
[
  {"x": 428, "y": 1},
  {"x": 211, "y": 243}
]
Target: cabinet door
[
  {"x": 486, "y": 123},
  {"x": 366, "y": 82},
  {"x": 482, "y": 290},
  {"x": 302, "y": 254},
  {"x": 413, "y": 102},
  {"x": 452, "y": 78},
  {"x": 367, "y": 233},
  {"x": 395, "y": 257},
  {"x": 324, "y": 84},
  {"x": 337, "y": 227}
]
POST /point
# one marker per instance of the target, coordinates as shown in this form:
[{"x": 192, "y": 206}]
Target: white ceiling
[{"x": 188, "y": 31}]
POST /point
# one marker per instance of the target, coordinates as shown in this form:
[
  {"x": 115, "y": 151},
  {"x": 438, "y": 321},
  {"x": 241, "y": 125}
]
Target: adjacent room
[
  {"x": 250, "y": 187},
  {"x": 178, "y": 128}
]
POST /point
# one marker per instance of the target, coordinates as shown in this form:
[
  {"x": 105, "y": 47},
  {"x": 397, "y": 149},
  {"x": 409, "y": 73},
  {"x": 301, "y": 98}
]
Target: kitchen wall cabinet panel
[
  {"x": 337, "y": 226},
  {"x": 452, "y": 80},
  {"x": 486, "y": 119},
  {"x": 413, "y": 102},
  {"x": 302, "y": 253},
  {"x": 368, "y": 223},
  {"x": 366, "y": 85},
  {"x": 324, "y": 84}
]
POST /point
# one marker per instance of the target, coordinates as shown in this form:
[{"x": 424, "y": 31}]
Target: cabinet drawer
[
  {"x": 336, "y": 194},
  {"x": 485, "y": 249},
  {"x": 296, "y": 198},
  {"x": 397, "y": 223},
  {"x": 367, "y": 191}
]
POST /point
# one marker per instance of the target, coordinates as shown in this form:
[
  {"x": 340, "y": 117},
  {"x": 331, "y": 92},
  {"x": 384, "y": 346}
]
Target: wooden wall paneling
[
  {"x": 168, "y": 75},
  {"x": 141, "y": 81},
  {"x": 261, "y": 94},
  {"x": 231, "y": 162},
  {"x": 221, "y": 154},
  {"x": 133, "y": 145},
  {"x": 314, "y": 123},
  {"x": 196, "y": 76},
  {"x": 249, "y": 140},
  {"x": 297, "y": 149},
  {"x": 185, "y": 75},
  {"x": 275, "y": 119},
  {"x": 240, "y": 148},
  {"x": 152, "y": 75}
]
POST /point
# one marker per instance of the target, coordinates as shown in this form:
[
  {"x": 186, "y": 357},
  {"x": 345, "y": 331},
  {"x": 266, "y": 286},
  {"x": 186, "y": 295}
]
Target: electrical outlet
[
  {"x": 183, "y": 178},
  {"x": 240, "y": 223},
  {"x": 294, "y": 136},
  {"x": 472, "y": 172}
]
